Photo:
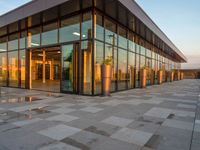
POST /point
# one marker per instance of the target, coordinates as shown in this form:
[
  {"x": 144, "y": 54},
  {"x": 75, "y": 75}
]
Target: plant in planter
[
  {"x": 106, "y": 73},
  {"x": 143, "y": 76},
  {"x": 160, "y": 76}
]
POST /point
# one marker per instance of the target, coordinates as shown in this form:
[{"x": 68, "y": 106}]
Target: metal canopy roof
[{"x": 36, "y": 6}]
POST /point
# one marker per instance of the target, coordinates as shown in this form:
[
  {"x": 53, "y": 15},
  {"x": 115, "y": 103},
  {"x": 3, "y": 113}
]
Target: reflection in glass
[
  {"x": 122, "y": 40},
  {"x": 50, "y": 34},
  {"x": 122, "y": 69},
  {"x": 33, "y": 39},
  {"x": 68, "y": 57},
  {"x": 86, "y": 48},
  {"x": 22, "y": 55},
  {"x": 131, "y": 70},
  {"x": 3, "y": 68},
  {"x": 13, "y": 68},
  {"x": 70, "y": 29},
  {"x": 87, "y": 26},
  {"x": 110, "y": 32},
  {"x": 98, "y": 61},
  {"x": 99, "y": 28},
  {"x": 13, "y": 42},
  {"x": 22, "y": 40}
]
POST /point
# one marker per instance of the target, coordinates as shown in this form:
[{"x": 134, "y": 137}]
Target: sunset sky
[{"x": 179, "y": 19}]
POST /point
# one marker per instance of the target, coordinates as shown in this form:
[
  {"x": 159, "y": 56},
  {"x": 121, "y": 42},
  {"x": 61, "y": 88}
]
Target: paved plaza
[{"x": 165, "y": 117}]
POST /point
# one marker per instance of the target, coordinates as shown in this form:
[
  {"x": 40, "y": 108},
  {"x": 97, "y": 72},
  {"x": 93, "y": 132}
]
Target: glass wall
[
  {"x": 70, "y": 29},
  {"x": 73, "y": 32},
  {"x": 13, "y": 69},
  {"x": 22, "y": 67},
  {"x": 3, "y": 68}
]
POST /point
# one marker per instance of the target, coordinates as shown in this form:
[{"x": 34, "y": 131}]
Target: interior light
[
  {"x": 84, "y": 36},
  {"x": 76, "y": 33},
  {"x": 40, "y": 55},
  {"x": 35, "y": 44},
  {"x": 58, "y": 52},
  {"x": 2, "y": 50}
]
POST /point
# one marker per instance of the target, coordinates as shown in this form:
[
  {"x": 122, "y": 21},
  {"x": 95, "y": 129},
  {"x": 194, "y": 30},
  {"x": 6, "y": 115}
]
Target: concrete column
[
  {"x": 52, "y": 69},
  {"x": 44, "y": 69}
]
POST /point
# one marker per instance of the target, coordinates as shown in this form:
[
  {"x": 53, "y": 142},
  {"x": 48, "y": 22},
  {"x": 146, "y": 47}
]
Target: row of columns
[{"x": 143, "y": 77}]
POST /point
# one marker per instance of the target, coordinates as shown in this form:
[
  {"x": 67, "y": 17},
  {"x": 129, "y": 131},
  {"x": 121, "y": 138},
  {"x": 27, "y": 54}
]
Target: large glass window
[
  {"x": 122, "y": 69},
  {"x": 131, "y": 43},
  {"x": 50, "y": 34},
  {"x": 86, "y": 47},
  {"x": 110, "y": 32},
  {"x": 137, "y": 73},
  {"x": 99, "y": 46},
  {"x": 13, "y": 42},
  {"x": 33, "y": 39},
  {"x": 3, "y": 44},
  {"x": 70, "y": 29},
  {"x": 13, "y": 68},
  {"x": 131, "y": 70},
  {"x": 34, "y": 20},
  {"x": 111, "y": 52},
  {"x": 22, "y": 40},
  {"x": 87, "y": 26},
  {"x": 22, "y": 55},
  {"x": 142, "y": 51},
  {"x": 122, "y": 40},
  {"x": 99, "y": 28},
  {"x": 3, "y": 68}
]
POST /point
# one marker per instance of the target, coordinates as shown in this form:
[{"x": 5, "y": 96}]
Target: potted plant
[
  {"x": 106, "y": 74},
  {"x": 160, "y": 76},
  {"x": 172, "y": 75},
  {"x": 143, "y": 77}
]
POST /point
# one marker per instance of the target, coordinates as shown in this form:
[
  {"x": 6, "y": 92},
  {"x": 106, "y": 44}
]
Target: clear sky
[{"x": 179, "y": 19}]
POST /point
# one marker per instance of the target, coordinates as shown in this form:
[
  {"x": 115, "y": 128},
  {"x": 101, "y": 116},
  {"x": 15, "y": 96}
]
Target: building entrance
[{"x": 45, "y": 69}]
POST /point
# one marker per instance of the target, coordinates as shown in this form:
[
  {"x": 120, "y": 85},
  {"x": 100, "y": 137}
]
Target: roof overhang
[{"x": 133, "y": 7}]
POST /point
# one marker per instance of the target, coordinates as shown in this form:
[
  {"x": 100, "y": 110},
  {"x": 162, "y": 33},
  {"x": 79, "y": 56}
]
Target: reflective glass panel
[
  {"x": 87, "y": 26},
  {"x": 13, "y": 68},
  {"x": 22, "y": 55},
  {"x": 122, "y": 69},
  {"x": 99, "y": 46},
  {"x": 3, "y": 68},
  {"x": 50, "y": 34},
  {"x": 70, "y": 29},
  {"x": 86, "y": 48},
  {"x": 110, "y": 32},
  {"x": 131, "y": 70},
  {"x": 13, "y": 42},
  {"x": 122, "y": 41},
  {"x": 99, "y": 28},
  {"x": 33, "y": 39}
]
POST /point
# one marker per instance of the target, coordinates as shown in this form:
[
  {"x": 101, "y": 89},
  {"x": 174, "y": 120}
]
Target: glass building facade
[{"x": 62, "y": 49}]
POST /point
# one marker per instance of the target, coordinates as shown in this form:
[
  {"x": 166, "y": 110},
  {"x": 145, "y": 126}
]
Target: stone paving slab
[{"x": 160, "y": 117}]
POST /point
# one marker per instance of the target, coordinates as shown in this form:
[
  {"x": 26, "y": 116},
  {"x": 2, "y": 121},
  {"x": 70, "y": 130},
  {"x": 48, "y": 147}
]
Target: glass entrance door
[
  {"x": 45, "y": 69},
  {"x": 70, "y": 68}
]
